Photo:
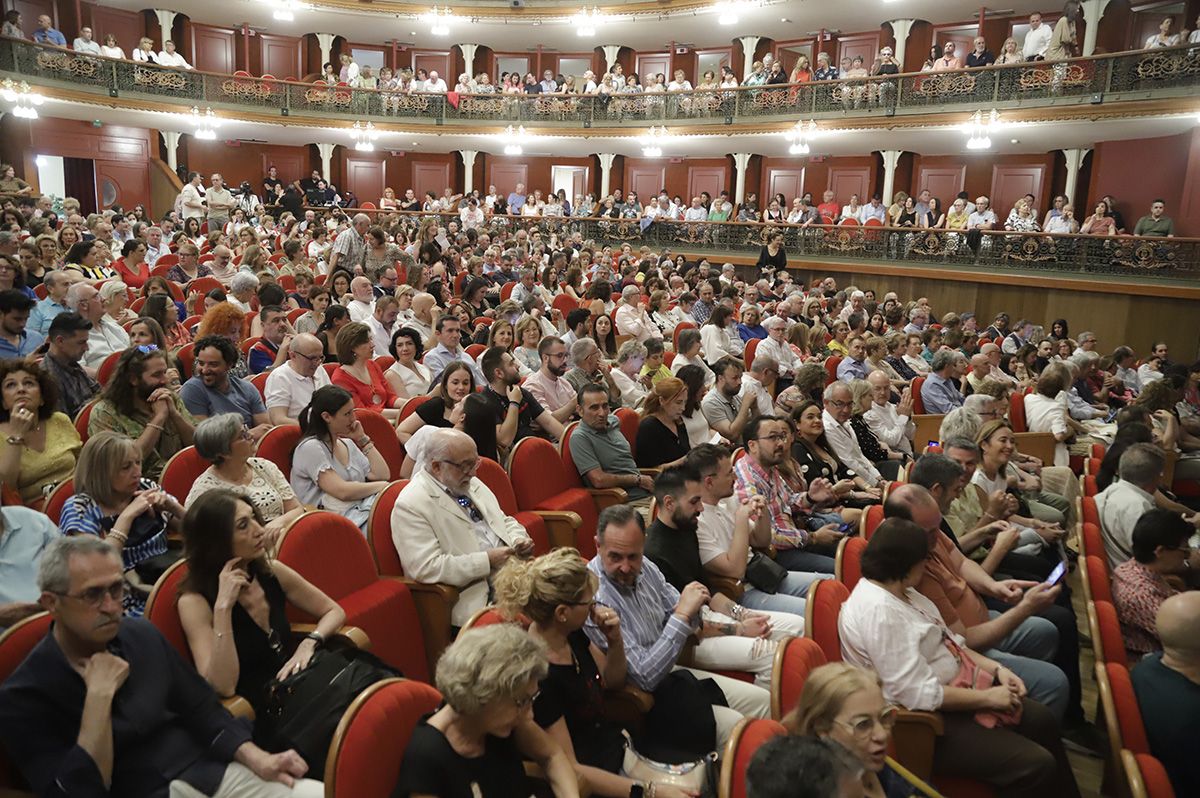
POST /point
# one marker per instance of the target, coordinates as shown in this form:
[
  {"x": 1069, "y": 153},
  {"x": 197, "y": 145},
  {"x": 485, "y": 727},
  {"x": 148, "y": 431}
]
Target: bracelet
[
  {"x": 158, "y": 427},
  {"x": 317, "y": 637},
  {"x": 737, "y": 612},
  {"x": 119, "y": 537}
]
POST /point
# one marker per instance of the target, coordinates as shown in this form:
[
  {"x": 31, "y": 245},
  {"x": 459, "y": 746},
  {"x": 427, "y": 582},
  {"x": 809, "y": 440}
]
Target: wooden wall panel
[
  {"x": 291, "y": 163},
  {"x": 127, "y": 26},
  {"x": 943, "y": 182},
  {"x": 865, "y": 45},
  {"x": 281, "y": 56},
  {"x": 433, "y": 177},
  {"x": 645, "y": 179},
  {"x": 439, "y": 60},
  {"x": 712, "y": 179},
  {"x": 31, "y": 10},
  {"x": 365, "y": 176},
  {"x": 122, "y": 183},
  {"x": 788, "y": 182},
  {"x": 847, "y": 180},
  {"x": 506, "y": 176},
  {"x": 963, "y": 37},
  {"x": 653, "y": 63},
  {"x": 211, "y": 49},
  {"x": 1010, "y": 183}
]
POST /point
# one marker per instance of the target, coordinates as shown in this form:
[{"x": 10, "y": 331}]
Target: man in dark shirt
[
  {"x": 77, "y": 724},
  {"x": 671, "y": 541},
  {"x": 518, "y": 414},
  {"x": 271, "y": 181},
  {"x": 1167, "y": 685},
  {"x": 67, "y": 342},
  {"x": 980, "y": 56}
]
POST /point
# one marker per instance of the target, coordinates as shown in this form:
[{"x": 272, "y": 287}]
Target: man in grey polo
[
  {"x": 723, "y": 407},
  {"x": 213, "y": 390},
  {"x": 350, "y": 247},
  {"x": 601, "y": 452}
]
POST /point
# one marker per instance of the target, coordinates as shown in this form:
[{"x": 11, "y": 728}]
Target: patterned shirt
[
  {"x": 105, "y": 416},
  {"x": 1138, "y": 591},
  {"x": 754, "y": 480}
]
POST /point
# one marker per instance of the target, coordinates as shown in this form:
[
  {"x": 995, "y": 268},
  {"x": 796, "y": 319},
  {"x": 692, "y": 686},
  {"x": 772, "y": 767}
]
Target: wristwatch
[
  {"x": 638, "y": 790},
  {"x": 13, "y": 440}
]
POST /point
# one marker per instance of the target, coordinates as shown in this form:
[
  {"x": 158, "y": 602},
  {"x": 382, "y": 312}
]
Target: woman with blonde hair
[
  {"x": 844, "y": 703},
  {"x": 662, "y": 437},
  {"x": 1010, "y": 52},
  {"x": 526, "y": 337}
]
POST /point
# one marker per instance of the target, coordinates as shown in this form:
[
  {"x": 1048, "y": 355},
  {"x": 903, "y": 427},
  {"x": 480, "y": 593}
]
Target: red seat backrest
[
  {"x": 82, "y": 417},
  {"x": 630, "y": 420},
  {"x": 748, "y": 354},
  {"x": 849, "y": 561},
  {"x": 162, "y": 608},
  {"x": 872, "y": 517},
  {"x": 108, "y": 366},
  {"x": 831, "y": 367},
  {"x": 1154, "y": 777},
  {"x": 1091, "y": 514},
  {"x": 794, "y": 661},
  {"x": 383, "y": 435},
  {"x": 277, "y": 446},
  {"x": 918, "y": 403},
  {"x": 411, "y": 406},
  {"x": 1016, "y": 412},
  {"x": 363, "y": 760},
  {"x": 1098, "y": 579},
  {"x": 259, "y": 381},
  {"x": 749, "y": 735},
  {"x": 683, "y": 325},
  {"x": 1089, "y": 485},
  {"x": 58, "y": 497},
  {"x": 475, "y": 350},
  {"x": 15, "y": 644},
  {"x": 1112, "y": 642},
  {"x": 182, "y": 471},
  {"x": 825, "y": 600},
  {"x": 186, "y": 356},
  {"x": 1129, "y": 715},
  {"x": 491, "y": 473},
  {"x": 1092, "y": 541},
  {"x": 536, "y": 470},
  {"x": 379, "y": 530}
]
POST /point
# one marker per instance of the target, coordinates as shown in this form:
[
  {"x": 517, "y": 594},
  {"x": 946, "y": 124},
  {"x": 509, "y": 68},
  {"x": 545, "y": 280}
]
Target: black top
[
  {"x": 983, "y": 59},
  {"x": 261, "y": 652},
  {"x": 529, "y": 412},
  {"x": 776, "y": 78},
  {"x": 432, "y": 767},
  {"x": 776, "y": 261},
  {"x": 1170, "y": 704},
  {"x": 323, "y": 337},
  {"x": 433, "y": 412},
  {"x": 533, "y": 88},
  {"x": 867, "y": 441},
  {"x": 656, "y": 444},
  {"x": 902, "y": 368},
  {"x": 269, "y": 184},
  {"x": 576, "y": 693},
  {"x": 888, "y": 69},
  {"x": 813, "y": 466},
  {"x": 908, "y": 219},
  {"x": 676, "y": 552}
]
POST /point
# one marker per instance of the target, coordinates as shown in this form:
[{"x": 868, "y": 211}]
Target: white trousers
[
  {"x": 240, "y": 782},
  {"x": 745, "y": 701},
  {"x": 750, "y": 654}
]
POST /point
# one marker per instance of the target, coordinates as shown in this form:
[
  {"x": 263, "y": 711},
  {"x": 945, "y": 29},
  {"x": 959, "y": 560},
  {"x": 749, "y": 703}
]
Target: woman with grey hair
[
  {"x": 224, "y": 440},
  {"x": 473, "y": 746},
  {"x": 630, "y": 359}
]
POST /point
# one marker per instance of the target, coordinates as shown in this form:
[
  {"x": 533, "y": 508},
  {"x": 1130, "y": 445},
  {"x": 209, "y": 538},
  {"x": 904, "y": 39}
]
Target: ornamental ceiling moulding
[{"x": 536, "y": 12}]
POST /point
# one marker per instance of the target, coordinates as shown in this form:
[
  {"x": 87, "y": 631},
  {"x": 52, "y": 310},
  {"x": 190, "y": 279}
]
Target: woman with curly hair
[
  {"x": 38, "y": 444},
  {"x": 225, "y": 320}
]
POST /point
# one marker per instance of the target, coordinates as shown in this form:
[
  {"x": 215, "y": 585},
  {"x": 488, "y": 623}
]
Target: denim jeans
[
  {"x": 789, "y": 597},
  {"x": 1029, "y": 651},
  {"x": 805, "y": 560}
]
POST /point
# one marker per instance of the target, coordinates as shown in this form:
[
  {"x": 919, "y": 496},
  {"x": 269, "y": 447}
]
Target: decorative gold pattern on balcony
[
  {"x": 1148, "y": 254},
  {"x": 943, "y": 84},
  {"x": 1174, "y": 64},
  {"x": 75, "y": 66},
  {"x": 159, "y": 78}
]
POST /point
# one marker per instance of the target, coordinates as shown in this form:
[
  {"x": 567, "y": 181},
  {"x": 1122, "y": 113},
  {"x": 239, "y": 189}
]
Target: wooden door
[
  {"x": 713, "y": 179},
  {"x": 366, "y": 177},
  {"x": 506, "y": 175},
  {"x": 1146, "y": 20},
  {"x": 127, "y": 26},
  {"x": 281, "y": 56},
  {"x": 31, "y": 10},
  {"x": 788, "y": 182},
  {"x": 433, "y": 177},
  {"x": 864, "y": 45},
  {"x": 646, "y": 179},
  {"x": 943, "y": 182},
  {"x": 844, "y": 181},
  {"x": 212, "y": 49},
  {"x": 431, "y": 60},
  {"x": 787, "y": 53},
  {"x": 123, "y": 183},
  {"x": 290, "y": 162},
  {"x": 652, "y": 64},
  {"x": 963, "y": 37},
  {"x": 1010, "y": 183}
]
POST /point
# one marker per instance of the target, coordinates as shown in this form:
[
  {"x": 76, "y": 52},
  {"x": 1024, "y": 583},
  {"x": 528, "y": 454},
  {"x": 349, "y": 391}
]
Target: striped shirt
[
  {"x": 751, "y": 479},
  {"x": 654, "y": 635}
]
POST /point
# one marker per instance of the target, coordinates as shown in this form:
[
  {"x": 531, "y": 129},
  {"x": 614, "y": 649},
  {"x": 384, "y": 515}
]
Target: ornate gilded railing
[
  {"x": 1172, "y": 259},
  {"x": 1123, "y": 76}
]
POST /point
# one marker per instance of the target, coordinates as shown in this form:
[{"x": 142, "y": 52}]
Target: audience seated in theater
[
  {"x": 38, "y": 444},
  {"x": 408, "y": 377},
  {"x": 804, "y": 534},
  {"x": 225, "y": 320},
  {"x": 104, "y": 705},
  {"x": 844, "y": 704},
  {"x": 361, "y": 376},
  {"x": 446, "y": 405},
  {"x": 776, "y": 347},
  {"x": 290, "y": 386},
  {"x": 1161, "y": 561},
  {"x": 448, "y": 330},
  {"x": 114, "y": 501},
  {"x": 657, "y": 621},
  {"x": 803, "y": 767},
  {"x": 336, "y": 466},
  {"x": 318, "y": 301},
  {"x": 214, "y": 389},
  {"x": 1167, "y": 685},
  {"x": 1127, "y": 499},
  {"x": 448, "y": 527},
  {"x": 163, "y": 310},
  {"x": 816, "y": 459},
  {"x": 473, "y": 746},
  {"x": 225, "y": 441},
  {"x": 998, "y": 473},
  {"x": 726, "y": 408},
  {"x": 662, "y": 437},
  {"x": 891, "y": 424},
  {"x": 688, "y": 352},
  {"x": 940, "y": 392},
  {"x": 271, "y": 350},
  {"x": 233, "y": 608},
  {"x": 719, "y": 338},
  {"x": 627, "y": 374},
  {"x": 517, "y": 413},
  {"x": 601, "y": 452},
  {"x": 138, "y": 402},
  {"x": 843, "y": 437},
  {"x": 591, "y": 368},
  {"x": 888, "y": 626},
  {"x": 632, "y": 318},
  {"x": 89, "y": 259},
  {"x": 106, "y": 336}
]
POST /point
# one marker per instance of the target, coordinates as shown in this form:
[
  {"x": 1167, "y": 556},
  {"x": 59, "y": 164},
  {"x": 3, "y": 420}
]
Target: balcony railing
[
  {"x": 1174, "y": 260},
  {"x": 1138, "y": 75}
]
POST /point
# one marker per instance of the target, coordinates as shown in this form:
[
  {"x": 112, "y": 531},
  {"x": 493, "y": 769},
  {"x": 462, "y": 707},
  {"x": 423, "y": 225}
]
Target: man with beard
[
  {"x": 213, "y": 390},
  {"x": 137, "y": 402},
  {"x": 724, "y": 408},
  {"x": 517, "y": 412},
  {"x": 601, "y": 451},
  {"x": 547, "y": 386}
]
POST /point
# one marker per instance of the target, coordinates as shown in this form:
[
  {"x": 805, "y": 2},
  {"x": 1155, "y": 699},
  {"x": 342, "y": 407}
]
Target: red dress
[
  {"x": 131, "y": 278},
  {"x": 376, "y": 396}
]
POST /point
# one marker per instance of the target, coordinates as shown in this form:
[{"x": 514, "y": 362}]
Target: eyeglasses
[
  {"x": 862, "y": 728},
  {"x": 94, "y": 596},
  {"x": 775, "y": 437},
  {"x": 527, "y": 702},
  {"x": 465, "y": 465},
  {"x": 839, "y": 402},
  {"x": 312, "y": 358},
  {"x": 245, "y": 434}
]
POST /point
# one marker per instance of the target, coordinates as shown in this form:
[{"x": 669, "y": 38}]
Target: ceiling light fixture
[
  {"x": 586, "y": 22},
  {"x": 514, "y": 140},
  {"x": 206, "y": 124},
  {"x": 364, "y": 136},
  {"x": 652, "y": 142},
  {"x": 439, "y": 20},
  {"x": 25, "y": 100},
  {"x": 730, "y": 11},
  {"x": 799, "y": 136},
  {"x": 979, "y": 129}
]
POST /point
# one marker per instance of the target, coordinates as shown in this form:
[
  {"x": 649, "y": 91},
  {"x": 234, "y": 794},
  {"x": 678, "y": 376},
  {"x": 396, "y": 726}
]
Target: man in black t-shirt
[
  {"x": 518, "y": 414},
  {"x": 270, "y": 182}
]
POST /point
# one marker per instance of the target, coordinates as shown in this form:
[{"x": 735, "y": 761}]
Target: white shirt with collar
[
  {"x": 287, "y": 388},
  {"x": 781, "y": 353},
  {"x": 381, "y": 336},
  {"x": 695, "y": 215},
  {"x": 752, "y": 388},
  {"x": 891, "y": 428},
  {"x": 105, "y": 337},
  {"x": 844, "y": 443},
  {"x": 433, "y": 86},
  {"x": 174, "y": 59},
  {"x": 634, "y": 320},
  {"x": 361, "y": 311},
  {"x": 1120, "y": 505},
  {"x": 1037, "y": 41}
]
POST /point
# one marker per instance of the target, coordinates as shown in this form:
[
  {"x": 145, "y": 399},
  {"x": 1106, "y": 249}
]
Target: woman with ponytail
[
  {"x": 662, "y": 438},
  {"x": 336, "y": 467},
  {"x": 556, "y": 593}
]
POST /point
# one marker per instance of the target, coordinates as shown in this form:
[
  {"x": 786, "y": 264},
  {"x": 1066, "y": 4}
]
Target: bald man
[
  {"x": 422, "y": 316},
  {"x": 1167, "y": 685},
  {"x": 290, "y": 387}
]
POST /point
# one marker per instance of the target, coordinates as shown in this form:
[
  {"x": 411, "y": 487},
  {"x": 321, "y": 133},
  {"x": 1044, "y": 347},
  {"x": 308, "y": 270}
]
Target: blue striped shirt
[{"x": 653, "y": 635}]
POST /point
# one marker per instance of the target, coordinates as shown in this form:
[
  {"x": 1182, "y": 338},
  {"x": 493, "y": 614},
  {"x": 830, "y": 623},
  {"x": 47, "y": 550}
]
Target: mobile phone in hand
[{"x": 1057, "y": 574}]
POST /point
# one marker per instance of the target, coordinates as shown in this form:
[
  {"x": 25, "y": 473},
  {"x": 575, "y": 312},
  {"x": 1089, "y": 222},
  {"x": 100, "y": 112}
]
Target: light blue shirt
[
  {"x": 42, "y": 314},
  {"x": 241, "y": 398},
  {"x": 26, "y": 535},
  {"x": 939, "y": 395},
  {"x": 28, "y": 341},
  {"x": 851, "y": 369},
  {"x": 50, "y": 36},
  {"x": 439, "y": 357}
]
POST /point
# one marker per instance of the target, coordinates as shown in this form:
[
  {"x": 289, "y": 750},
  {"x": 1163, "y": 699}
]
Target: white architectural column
[
  {"x": 890, "y": 159},
  {"x": 325, "y": 42},
  {"x": 1074, "y": 158},
  {"x": 468, "y": 52},
  {"x": 326, "y": 151},
  {"x": 171, "y": 140},
  {"x": 610, "y": 56},
  {"x": 740, "y": 161},
  {"x": 901, "y": 29},
  {"x": 468, "y": 157},
  {"x": 166, "y": 20},
  {"x": 1093, "y": 12},
  {"x": 606, "y": 162},
  {"x": 749, "y": 43}
]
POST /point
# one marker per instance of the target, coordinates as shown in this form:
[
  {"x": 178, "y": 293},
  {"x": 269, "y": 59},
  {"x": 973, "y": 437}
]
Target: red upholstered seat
[
  {"x": 411, "y": 406},
  {"x": 831, "y": 367},
  {"x": 747, "y": 737},
  {"x": 918, "y": 404},
  {"x": 108, "y": 366},
  {"x": 366, "y": 750},
  {"x": 491, "y": 474},
  {"x": 15, "y": 644},
  {"x": 161, "y": 608},
  {"x": 748, "y": 353},
  {"x": 379, "y": 530},
  {"x": 630, "y": 420},
  {"x": 1089, "y": 485},
  {"x": 1110, "y": 647},
  {"x": 1146, "y": 775},
  {"x": 277, "y": 446},
  {"x": 683, "y": 325},
  {"x": 82, "y": 417},
  {"x": 186, "y": 355},
  {"x": 329, "y": 550},
  {"x": 1016, "y": 412},
  {"x": 1098, "y": 579},
  {"x": 1122, "y": 717},
  {"x": 58, "y": 498},
  {"x": 383, "y": 435},
  {"x": 182, "y": 471},
  {"x": 848, "y": 565},
  {"x": 872, "y": 517},
  {"x": 794, "y": 661},
  {"x": 1091, "y": 515},
  {"x": 825, "y": 600},
  {"x": 542, "y": 480}
]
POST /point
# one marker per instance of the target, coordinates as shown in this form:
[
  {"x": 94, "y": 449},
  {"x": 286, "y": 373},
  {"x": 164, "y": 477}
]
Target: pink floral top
[{"x": 1138, "y": 592}]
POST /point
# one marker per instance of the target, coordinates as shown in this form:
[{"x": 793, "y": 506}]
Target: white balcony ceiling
[
  {"x": 1024, "y": 138},
  {"x": 515, "y": 30}
]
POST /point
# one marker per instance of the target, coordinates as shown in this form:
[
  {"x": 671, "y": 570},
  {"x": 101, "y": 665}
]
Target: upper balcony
[{"x": 1157, "y": 77}]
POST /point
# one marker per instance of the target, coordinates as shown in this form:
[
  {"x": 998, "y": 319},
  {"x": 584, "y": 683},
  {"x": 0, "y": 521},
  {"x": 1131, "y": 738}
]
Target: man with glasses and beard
[
  {"x": 104, "y": 706},
  {"x": 518, "y": 414}
]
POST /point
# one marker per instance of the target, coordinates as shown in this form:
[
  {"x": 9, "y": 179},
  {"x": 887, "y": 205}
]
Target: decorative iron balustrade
[
  {"x": 1128, "y": 257},
  {"x": 1132, "y": 75}
]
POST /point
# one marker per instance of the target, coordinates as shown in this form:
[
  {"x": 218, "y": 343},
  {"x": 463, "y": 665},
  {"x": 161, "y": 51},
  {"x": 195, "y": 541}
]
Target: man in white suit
[{"x": 448, "y": 527}]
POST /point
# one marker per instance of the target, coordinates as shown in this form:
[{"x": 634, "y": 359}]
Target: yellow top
[{"x": 54, "y": 464}]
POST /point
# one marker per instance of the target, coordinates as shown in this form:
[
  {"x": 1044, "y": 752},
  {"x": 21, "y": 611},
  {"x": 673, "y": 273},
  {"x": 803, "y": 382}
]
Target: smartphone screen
[
  {"x": 934, "y": 443},
  {"x": 1057, "y": 574},
  {"x": 846, "y": 527}
]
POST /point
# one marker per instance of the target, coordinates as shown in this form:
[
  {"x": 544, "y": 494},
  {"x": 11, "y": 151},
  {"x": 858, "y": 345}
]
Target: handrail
[
  {"x": 1165, "y": 72},
  {"x": 1176, "y": 260}
]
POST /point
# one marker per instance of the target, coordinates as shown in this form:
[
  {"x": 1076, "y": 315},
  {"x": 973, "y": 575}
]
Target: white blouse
[{"x": 416, "y": 378}]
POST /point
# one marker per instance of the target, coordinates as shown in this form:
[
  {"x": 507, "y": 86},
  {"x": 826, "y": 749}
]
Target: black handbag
[
  {"x": 764, "y": 573},
  {"x": 304, "y": 709}
]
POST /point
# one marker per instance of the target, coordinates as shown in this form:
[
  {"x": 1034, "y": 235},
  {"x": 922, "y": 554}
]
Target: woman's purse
[
  {"x": 692, "y": 776},
  {"x": 972, "y": 677},
  {"x": 764, "y": 573}
]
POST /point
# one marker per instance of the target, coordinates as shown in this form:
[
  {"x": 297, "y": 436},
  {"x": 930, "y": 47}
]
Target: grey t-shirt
[{"x": 608, "y": 451}]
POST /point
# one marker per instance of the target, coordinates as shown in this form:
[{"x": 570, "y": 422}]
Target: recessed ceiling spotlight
[
  {"x": 1014, "y": 141},
  {"x": 785, "y": 19}
]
